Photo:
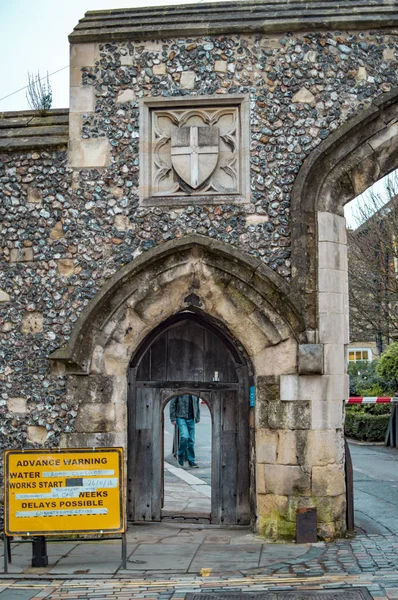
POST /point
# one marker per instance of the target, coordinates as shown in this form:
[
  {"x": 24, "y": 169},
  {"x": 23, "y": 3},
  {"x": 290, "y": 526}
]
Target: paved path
[
  {"x": 367, "y": 561},
  {"x": 376, "y": 487},
  {"x": 168, "y": 561}
]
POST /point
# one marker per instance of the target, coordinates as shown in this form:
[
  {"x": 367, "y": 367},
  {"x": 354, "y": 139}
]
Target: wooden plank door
[
  {"x": 145, "y": 465},
  {"x": 230, "y": 476}
]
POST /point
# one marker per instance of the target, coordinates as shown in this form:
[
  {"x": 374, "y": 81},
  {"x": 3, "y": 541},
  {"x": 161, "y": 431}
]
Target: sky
[{"x": 34, "y": 37}]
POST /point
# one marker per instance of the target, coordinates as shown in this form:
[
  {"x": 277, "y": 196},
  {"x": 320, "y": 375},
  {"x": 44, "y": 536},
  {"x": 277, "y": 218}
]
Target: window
[{"x": 357, "y": 354}]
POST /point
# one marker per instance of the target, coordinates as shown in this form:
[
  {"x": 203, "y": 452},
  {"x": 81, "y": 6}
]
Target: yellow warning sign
[{"x": 49, "y": 492}]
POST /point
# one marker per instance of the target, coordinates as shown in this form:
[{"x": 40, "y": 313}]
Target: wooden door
[
  {"x": 145, "y": 456},
  {"x": 189, "y": 357},
  {"x": 230, "y": 464}
]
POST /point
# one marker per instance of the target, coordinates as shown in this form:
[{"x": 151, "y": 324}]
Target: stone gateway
[{"x": 184, "y": 218}]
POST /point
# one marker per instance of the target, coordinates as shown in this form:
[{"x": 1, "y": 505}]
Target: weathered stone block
[
  {"x": 35, "y": 195},
  {"x": 324, "y": 447},
  {"x": 332, "y": 281},
  {"x": 128, "y": 60},
  {"x": 256, "y": 219},
  {"x": 332, "y": 256},
  {"x": 89, "y": 153},
  {"x": 272, "y": 505},
  {"x": 4, "y": 297},
  {"x": 75, "y": 77},
  {"x": 126, "y": 96},
  {"x": 95, "y": 417},
  {"x": 330, "y": 509},
  {"x": 93, "y": 440},
  {"x": 276, "y": 359},
  {"x": 304, "y": 96},
  {"x": 32, "y": 322},
  {"x": 82, "y": 55},
  {"x": 327, "y": 415},
  {"x": 82, "y": 99},
  {"x": 66, "y": 267},
  {"x": 187, "y": 81},
  {"x": 333, "y": 328},
  {"x": 57, "y": 231},
  {"x": 21, "y": 255},
  {"x": 389, "y": 54},
  {"x": 16, "y": 405},
  {"x": 266, "y": 445},
  {"x": 285, "y": 480},
  {"x": 92, "y": 388},
  {"x": 331, "y": 228},
  {"x": 302, "y": 387},
  {"x": 329, "y": 531},
  {"x": 337, "y": 387},
  {"x": 328, "y": 480},
  {"x": 75, "y": 130},
  {"x": 310, "y": 359},
  {"x": 221, "y": 66},
  {"x": 116, "y": 358},
  {"x": 384, "y": 137},
  {"x": 36, "y": 434},
  {"x": 119, "y": 389},
  {"x": 123, "y": 223},
  {"x": 297, "y": 415},
  {"x": 267, "y": 392},
  {"x": 329, "y": 302},
  {"x": 335, "y": 360},
  {"x": 271, "y": 515},
  {"x": 120, "y": 417},
  {"x": 159, "y": 69},
  {"x": 361, "y": 75},
  {"x": 291, "y": 447}
]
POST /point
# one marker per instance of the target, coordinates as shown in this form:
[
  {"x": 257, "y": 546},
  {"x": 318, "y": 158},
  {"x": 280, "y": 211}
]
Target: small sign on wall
[
  {"x": 252, "y": 396},
  {"x": 49, "y": 492}
]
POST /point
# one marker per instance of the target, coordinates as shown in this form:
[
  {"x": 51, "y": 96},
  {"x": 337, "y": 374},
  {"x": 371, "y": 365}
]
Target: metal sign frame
[{"x": 66, "y": 472}]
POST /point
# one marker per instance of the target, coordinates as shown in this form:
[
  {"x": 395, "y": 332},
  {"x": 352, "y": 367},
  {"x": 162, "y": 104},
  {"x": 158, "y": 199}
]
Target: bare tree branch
[
  {"x": 373, "y": 267},
  {"x": 39, "y": 94}
]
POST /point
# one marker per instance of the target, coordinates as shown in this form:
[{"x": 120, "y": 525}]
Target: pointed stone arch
[
  {"x": 355, "y": 156},
  {"x": 237, "y": 290}
]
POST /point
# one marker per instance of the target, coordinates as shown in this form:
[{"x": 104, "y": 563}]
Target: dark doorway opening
[{"x": 189, "y": 355}]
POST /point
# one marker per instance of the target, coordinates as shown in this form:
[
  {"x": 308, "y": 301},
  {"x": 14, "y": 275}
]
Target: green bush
[
  {"x": 387, "y": 365},
  {"x": 366, "y": 381},
  {"x": 365, "y": 426}
]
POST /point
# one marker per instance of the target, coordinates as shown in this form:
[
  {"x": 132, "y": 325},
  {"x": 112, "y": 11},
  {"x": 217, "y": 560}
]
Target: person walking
[{"x": 185, "y": 413}]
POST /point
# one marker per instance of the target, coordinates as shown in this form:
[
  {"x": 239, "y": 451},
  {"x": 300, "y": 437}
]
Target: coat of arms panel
[{"x": 192, "y": 151}]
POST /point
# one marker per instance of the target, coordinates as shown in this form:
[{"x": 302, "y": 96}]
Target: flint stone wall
[{"x": 70, "y": 221}]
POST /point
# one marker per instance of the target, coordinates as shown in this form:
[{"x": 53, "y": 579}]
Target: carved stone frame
[{"x": 147, "y": 105}]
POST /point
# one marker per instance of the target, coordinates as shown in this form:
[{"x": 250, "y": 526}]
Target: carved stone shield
[{"x": 194, "y": 153}]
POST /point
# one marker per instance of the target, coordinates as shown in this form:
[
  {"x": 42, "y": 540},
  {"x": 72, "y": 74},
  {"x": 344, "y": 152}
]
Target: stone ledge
[
  {"x": 33, "y": 129},
  {"x": 231, "y": 17}
]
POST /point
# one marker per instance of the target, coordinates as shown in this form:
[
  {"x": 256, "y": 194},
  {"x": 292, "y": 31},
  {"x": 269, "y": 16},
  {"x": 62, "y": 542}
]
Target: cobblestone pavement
[{"x": 369, "y": 561}]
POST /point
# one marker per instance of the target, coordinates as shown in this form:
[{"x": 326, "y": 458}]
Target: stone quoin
[{"x": 200, "y": 171}]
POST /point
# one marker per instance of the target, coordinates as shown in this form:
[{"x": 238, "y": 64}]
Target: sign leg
[
  {"x": 39, "y": 551},
  {"x": 6, "y": 545},
  {"x": 124, "y": 551}
]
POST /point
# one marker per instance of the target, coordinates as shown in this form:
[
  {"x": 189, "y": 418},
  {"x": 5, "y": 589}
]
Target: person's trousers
[{"x": 186, "y": 447}]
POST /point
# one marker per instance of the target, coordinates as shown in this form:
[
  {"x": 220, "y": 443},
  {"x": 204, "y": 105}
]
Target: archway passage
[
  {"x": 187, "y": 487},
  {"x": 188, "y": 354}
]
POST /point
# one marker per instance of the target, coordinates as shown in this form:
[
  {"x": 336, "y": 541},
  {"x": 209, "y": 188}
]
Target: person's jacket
[{"x": 179, "y": 407}]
